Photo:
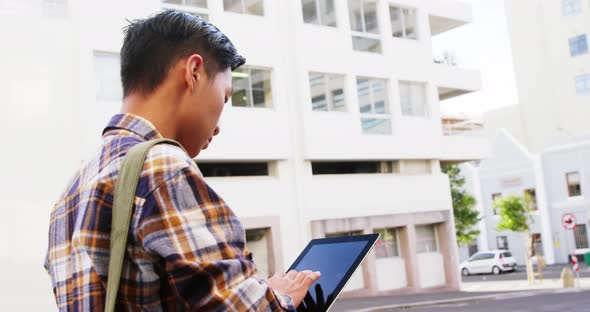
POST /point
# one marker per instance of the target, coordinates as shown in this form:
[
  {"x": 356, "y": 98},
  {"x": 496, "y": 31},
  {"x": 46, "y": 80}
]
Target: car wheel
[
  {"x": 496, "y": 270},
  {"x": 465, "y": 272}
]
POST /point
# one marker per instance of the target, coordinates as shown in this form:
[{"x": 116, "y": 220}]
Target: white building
[
  {"x": 334, "y": 128},
  {"x": 551, "y": 59},
  {"x": 566, "y": 169},
  {"x": 557, "y": 180},
  {"x": 510, "y": 170}
]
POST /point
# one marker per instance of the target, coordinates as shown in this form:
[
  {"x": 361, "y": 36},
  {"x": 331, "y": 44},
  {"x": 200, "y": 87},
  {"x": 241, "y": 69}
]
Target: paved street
[
  {"x": 576, "y": 301},
  {"x": 510, "y": 291}
]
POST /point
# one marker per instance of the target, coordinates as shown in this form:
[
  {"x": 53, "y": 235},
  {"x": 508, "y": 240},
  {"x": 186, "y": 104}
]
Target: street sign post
[{"x": 568, "y": 221}]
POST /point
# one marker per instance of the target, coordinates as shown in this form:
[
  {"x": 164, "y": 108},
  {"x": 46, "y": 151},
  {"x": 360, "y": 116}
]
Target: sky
[{"x": 484, "y": 45}]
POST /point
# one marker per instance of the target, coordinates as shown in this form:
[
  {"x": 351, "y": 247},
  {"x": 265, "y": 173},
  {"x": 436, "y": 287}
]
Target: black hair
[{"x": 152, "y": 45}]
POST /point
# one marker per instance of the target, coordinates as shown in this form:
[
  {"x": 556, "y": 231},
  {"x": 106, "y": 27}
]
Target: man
[{"x": 186, "y": 248}]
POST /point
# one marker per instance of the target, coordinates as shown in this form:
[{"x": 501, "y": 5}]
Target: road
[{"x": 577, "y": 301}]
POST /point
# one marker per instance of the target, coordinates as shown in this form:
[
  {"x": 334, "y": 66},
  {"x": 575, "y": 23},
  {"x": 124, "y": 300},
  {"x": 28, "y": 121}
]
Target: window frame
[
  {"x": 243, "y": 9},
  {"x": 569, "y": 186},
  {"x": 435, "y": 236},
  {"x": 571, "y": 7},
  {"x": 328, "y": 91},
  {"x": 403, "y": 21},
  {"x": 364, "y": 33},
  {"x": 251, "y": 94},
  {"x": 581, "y": 239},
  {"x": 372, "y": 114},
  {"x": 396, "y": 249},
  {"x": 319, "y": 15},
  {"x": 494, "y": 197},
  {"x": 533, "y": 193},
  {"x": 582, "y": 79},
  {"x": 505, "y": 239},
  {"x": 427, "y": 110},
  {"x": 578, "y": 45},
  {"x": 97, "y": 83},
  {"x": 190, "y": 9}
]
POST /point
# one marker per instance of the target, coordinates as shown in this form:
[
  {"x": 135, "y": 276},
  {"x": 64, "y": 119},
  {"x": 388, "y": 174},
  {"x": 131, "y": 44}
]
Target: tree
[
  {"x": 466, "y": 217},
  {"x": 515, "y": 216},
  {"x": 514, "y": 213}
]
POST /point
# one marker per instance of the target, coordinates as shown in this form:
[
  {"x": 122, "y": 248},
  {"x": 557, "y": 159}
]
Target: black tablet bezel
[{"x": 370, "y": 240}]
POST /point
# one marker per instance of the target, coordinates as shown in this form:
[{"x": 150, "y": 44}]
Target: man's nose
[{"x": 216, "y": 131}]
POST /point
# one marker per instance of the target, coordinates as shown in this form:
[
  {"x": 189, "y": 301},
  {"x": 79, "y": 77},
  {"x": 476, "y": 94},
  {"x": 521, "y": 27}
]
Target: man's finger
[
  {"x": 300, "y": 277},
  {"x": 315, "y": 275},
  {"x": 291, "y": 274}
]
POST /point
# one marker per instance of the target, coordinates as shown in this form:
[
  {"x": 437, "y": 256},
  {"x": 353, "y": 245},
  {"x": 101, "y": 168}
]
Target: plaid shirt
[{"x": 186, "y": 248}]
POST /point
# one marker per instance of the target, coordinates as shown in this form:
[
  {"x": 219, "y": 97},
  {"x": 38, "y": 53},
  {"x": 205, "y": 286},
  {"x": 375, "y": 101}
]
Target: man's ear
[{"x": 191, "y": 74}]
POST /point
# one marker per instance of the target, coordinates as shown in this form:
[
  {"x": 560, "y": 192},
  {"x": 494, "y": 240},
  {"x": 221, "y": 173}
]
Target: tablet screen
[{"x": 336, "y": 259}]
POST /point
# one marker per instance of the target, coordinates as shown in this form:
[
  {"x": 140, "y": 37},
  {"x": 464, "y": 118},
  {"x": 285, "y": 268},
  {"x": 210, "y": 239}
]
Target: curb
[{"x": 470, "y": 299}]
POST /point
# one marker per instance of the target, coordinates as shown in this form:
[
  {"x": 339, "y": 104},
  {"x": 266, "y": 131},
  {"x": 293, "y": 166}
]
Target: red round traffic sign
[{"x": 568, "y": 220}]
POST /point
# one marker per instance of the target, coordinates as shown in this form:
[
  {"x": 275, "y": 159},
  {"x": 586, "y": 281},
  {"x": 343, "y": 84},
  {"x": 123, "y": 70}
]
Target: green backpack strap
[{"x": 125, "y": 188}]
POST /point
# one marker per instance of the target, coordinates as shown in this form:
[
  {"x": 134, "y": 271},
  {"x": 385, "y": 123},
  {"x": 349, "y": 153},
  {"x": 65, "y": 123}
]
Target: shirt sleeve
[{"x": 200, "y": 241}]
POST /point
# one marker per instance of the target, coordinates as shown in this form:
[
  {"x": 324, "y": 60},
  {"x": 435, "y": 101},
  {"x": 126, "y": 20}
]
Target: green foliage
[
  {"x": 466, "y": 217},
  {"x": 514, "y": 211}
]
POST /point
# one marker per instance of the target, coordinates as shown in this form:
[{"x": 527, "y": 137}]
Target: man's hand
[{"x": 294, "y": 284}]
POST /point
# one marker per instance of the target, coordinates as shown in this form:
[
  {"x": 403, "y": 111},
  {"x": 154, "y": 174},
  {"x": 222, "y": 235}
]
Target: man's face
[{"x": 201, "y": 109}]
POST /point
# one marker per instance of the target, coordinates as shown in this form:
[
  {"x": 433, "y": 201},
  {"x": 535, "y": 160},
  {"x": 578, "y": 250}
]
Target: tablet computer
[{"x": 336, "y": 258}]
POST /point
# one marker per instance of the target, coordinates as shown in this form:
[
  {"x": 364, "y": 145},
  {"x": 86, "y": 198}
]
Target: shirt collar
[{"x": 134, "y": 124}]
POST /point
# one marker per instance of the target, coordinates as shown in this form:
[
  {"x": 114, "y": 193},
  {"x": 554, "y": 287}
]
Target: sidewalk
[
  {"x": 519, "y": 285},
  {"x": 366, "y": 304},
  {"x": 470, "y": 292}
]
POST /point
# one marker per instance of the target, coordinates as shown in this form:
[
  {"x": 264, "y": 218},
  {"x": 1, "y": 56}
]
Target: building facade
[
  {"x": 557, "y": 182},
  {"x": 549, "y": 42},
  {"x": 333, "y": 129}
]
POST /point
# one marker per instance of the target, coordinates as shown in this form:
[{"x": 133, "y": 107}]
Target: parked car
[{"x": 489, "y": 261}]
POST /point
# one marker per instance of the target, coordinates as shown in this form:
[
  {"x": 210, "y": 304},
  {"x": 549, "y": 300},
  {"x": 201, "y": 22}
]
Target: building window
[
  {"x": 374, "y": 106},
  {"x": 258, "y": 243},
  {"x": 387, "y": 245},
  {"x": 364, "y": 25},
  {"x": 253, "y": 7},
  {"x": 581, "y": 236},
  {"x": 578, "y": 45},
  {"x": 193, "y": 3},
  {"x": 252, "y": 88},
  {"x": 583, "y": 84},
  {"x": 340, "y": 234},
  {"x": 426, "y": 239},
  {"x": 354, "y": 167},
  {"x": 55, "y": 8},
  {"x": 571, "y": 7},
  {"x": 403, "y": 22},
  {"x": 227, "y": 169},
  {"x": 107, "y": 76},
  {"x": 319, "y": 12},
  {"x": 194, "y": 7},
  {"x": 502, "y": 242},
  {"x": 532, "y": 195},
  {"x": 327, "y": 92},
  {"x": 495, "y": 197},
  {"x": 413, "y": 98},
  {"x": 573, "y": 184}
]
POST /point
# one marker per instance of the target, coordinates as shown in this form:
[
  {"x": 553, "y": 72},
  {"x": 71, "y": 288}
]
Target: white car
[{"x": 489, "y": 261}]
